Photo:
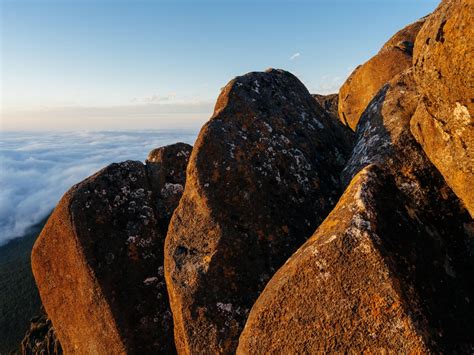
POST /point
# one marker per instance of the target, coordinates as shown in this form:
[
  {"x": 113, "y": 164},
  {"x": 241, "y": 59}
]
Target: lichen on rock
[
  {"x": 105, "y": 241},
  {"x": 263, "y": 174}
]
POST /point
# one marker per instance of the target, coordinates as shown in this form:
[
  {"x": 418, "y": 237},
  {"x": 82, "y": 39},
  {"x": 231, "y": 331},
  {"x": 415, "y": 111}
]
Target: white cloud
[
  {"x": 294, "y": 56},
  {"x": 37, "y": 168}
]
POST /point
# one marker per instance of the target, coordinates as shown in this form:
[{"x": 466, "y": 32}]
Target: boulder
[
  {"x": 367, "y": 79},
  {"x": 329, "y": 103},
  {"x": 102, "y": 241},
  {"x": 166, "y": 168},
  {"x": 264, "y": 172},
  {"x": 98, "y": 262},
  {"x": 390, "y": 269},
  {"x": 444, "y": 71},
  {"x": 40, "y": 338}
]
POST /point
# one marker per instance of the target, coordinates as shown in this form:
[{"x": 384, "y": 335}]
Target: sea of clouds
[{"x": 36, "y": 168}]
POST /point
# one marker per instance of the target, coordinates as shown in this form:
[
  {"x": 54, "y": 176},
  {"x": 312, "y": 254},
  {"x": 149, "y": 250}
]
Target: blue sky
[{"x": 160, "y": 64}]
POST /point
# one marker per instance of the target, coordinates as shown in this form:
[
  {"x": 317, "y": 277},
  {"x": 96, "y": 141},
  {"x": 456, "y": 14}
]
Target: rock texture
[
  {"x": 390, "y": 268},
  {"x": 263, "y": 174},
  {"x": 41, "y": 338},
  {"x": 104, "y": 240},
  {"x": 335, "y": 294},
  {"x": 328, "y": 102},
  {"x": 166, "y": 168},
  {"x": 444, "y": 72},
  {"x": 367, "y": 79}
]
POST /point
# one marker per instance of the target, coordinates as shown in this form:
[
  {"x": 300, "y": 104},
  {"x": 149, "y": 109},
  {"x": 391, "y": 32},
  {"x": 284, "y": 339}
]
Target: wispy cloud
[
  {"x": 155, "y": 98},
  {"x": 294, "y": 56}
]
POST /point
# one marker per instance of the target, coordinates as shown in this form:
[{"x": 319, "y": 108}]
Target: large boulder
[
  {"x": 444, "y": 72},
  {"x": 263, "y": 174},
  {"x": 390, "y": 269},
  {"x": 98, "y": 262},
  {"x": 367, "y": 79}
]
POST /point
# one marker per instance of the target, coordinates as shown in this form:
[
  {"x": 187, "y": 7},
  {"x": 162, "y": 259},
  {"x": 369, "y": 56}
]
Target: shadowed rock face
[
  {"x": 166, "y": 168},
  {"x": 391, "y": 266},
  {"x": 41, "y": 338},
  {"x": 367, "y": 79},
  {"x": 329, "y": 103},
  {"x": 263, "y": 174},
  {"x": 104, "y": 241},
  {"x": 444, "y": 72}
]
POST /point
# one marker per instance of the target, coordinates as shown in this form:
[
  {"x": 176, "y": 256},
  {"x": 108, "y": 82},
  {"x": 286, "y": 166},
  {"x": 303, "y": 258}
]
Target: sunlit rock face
[
  {"x": 98, "y": 262},
  {"x": 444, "y": 72},
  {"x": 263, "y": 174},
  {"x": 367, "y": 79}
]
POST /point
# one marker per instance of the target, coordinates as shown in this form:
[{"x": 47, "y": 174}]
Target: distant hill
[{"x": 19, "y": 298}]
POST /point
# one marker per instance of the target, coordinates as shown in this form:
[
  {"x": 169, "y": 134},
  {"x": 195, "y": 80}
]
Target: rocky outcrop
[
  {"x": 390, "y": 268},
  {"x": 41, "y": 338},
  {"x": 444, "y": 72},
  {"x": 367, "y": 79},
  {"x": 104, "y": 240},
  {"x": 329, "y": 103},
  {"x": 263, "y": 174},
  {"x": 262, "y": 253}
]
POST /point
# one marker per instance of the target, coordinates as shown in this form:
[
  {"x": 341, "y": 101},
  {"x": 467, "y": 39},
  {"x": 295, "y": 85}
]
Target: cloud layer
[{"x": 37, "y": 168}]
